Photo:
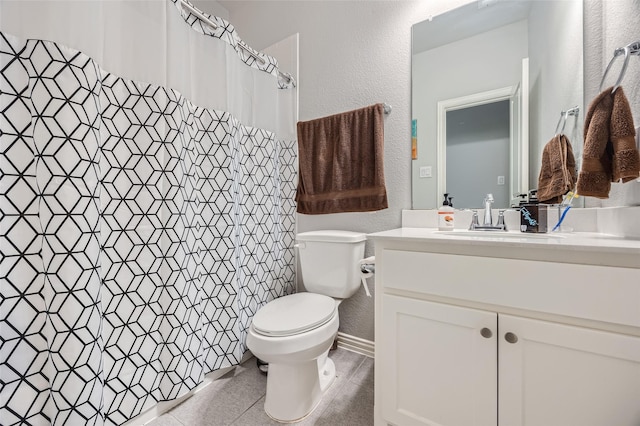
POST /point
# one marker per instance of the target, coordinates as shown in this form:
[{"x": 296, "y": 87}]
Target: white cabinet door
[
  {"x": 438, "y": 365},
  {"x": 552, "y": 374}
]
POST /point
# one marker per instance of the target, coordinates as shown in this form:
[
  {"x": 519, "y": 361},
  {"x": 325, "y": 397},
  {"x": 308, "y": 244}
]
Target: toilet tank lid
[{"x": 332, "y": 236}]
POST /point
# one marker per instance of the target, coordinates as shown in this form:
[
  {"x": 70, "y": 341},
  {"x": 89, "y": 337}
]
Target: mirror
[{"x": 520, "y": 58}]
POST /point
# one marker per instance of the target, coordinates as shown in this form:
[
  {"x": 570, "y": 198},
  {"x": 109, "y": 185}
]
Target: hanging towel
[
  {"x": 341, "y": 163},
  {"x": 610, "y": 153},
  {"x": 558, "y": 171}
]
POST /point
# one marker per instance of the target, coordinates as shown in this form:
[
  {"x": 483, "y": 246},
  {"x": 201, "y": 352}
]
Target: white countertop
[{"x": 492, "y": 243}]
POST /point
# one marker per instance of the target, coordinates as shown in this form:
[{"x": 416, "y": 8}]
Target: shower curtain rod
[{"x": 243, "y": 46}]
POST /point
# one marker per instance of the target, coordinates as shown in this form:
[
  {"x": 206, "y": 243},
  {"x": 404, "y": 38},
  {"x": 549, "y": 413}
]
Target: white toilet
[{"x": 294, "y": 333}]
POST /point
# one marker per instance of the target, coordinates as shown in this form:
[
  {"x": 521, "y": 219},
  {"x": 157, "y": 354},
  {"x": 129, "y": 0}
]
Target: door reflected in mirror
[
  {"x": 478, "y": 132},
  {"x": 475, "y": 50},
  {"x": 482, "y": 135}
]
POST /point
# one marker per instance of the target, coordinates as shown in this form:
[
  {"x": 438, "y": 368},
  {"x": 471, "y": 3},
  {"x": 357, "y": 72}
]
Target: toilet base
[{"x": 295, "y": 390}]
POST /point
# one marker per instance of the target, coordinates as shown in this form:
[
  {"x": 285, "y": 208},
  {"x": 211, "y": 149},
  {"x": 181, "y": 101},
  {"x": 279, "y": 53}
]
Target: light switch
[
  {"x": 500, "y": 180},
  {"x": 425, "y": 172}
]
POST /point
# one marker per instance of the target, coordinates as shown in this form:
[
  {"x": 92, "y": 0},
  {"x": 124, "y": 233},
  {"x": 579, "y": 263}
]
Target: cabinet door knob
[
  {"x": 510, "y": 337},
  {"x": 486, "y": 333}
]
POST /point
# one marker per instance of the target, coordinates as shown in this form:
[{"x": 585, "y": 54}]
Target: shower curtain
[{"x": 146, "y": 214}]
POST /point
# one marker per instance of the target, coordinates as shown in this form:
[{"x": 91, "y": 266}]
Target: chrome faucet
[{"x": 488, "y": 219}]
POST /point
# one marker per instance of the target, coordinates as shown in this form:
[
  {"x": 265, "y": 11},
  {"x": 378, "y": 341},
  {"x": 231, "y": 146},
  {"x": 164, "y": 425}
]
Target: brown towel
[
  {"x": 341, "y": 163},
  {"x": 558, "y": 171},
  {"x": 610, "y": 153}
]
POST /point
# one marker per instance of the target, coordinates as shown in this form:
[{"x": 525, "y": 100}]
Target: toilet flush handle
[{"x": 301, "y": 245}]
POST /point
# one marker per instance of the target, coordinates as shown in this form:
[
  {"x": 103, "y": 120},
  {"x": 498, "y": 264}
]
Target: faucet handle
[
  {"x": 474, "y": 221},
  {"x": 501, "y": 223}
]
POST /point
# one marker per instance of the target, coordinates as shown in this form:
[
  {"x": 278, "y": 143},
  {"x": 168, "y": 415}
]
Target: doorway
[{"x": 478, "y": 148}]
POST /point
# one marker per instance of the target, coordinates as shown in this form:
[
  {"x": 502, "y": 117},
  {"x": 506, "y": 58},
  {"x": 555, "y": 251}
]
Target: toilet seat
[{"x": 294, "y": 314}]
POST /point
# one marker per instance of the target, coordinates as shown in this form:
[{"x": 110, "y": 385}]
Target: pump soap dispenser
[{"x": 446, "y": 214}]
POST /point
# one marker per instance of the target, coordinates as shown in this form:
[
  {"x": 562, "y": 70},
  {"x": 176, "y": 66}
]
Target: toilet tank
[{"x": 329, "y": 261}]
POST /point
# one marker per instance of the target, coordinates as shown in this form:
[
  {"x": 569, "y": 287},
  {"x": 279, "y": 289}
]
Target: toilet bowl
[
  {"x": 299, "y": 368},
  {"x": 294, "y": 333}
]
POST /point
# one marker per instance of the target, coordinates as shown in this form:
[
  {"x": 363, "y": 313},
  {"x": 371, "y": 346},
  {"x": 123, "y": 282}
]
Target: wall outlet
[
  {"x": 425, "y": 172},
  {"x": 500, "y": 180}
]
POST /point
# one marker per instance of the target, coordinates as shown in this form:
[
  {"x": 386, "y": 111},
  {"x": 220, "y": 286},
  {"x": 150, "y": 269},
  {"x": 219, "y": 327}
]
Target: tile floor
[{"x": 237, "y": 398}]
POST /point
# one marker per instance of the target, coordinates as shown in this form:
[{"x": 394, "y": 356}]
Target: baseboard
[{"x": 356, "y": 344}]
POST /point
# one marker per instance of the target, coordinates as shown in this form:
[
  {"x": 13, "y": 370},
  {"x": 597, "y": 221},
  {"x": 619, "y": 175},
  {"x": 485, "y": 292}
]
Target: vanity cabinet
[
  {"x": 554, "y": 374},
  {"x": 437, "y": 368},
  {"x": 463, "y": 338}
]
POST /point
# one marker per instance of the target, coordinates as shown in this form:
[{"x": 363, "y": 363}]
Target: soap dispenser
[{"x": 446, "y": 214}]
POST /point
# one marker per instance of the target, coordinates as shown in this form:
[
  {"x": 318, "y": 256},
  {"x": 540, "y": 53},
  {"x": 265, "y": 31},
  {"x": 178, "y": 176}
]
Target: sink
[{"x": 501, "y": 234}]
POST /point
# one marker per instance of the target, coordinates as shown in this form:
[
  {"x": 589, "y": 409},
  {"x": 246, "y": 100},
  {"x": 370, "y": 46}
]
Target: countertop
[{"x": 572, "y": 247}]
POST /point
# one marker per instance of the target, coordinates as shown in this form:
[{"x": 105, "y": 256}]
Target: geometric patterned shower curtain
[{"x": 139, "y": 234}]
